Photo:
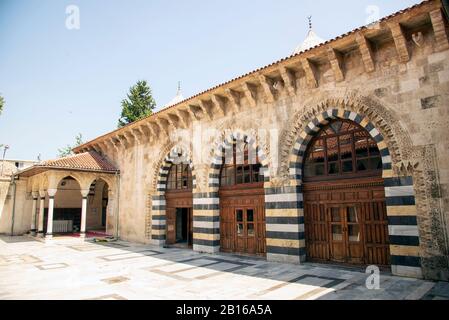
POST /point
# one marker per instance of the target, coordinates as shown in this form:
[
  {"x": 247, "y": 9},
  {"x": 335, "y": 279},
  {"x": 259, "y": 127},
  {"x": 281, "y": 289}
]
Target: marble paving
[{"x": 74, "y": 269}]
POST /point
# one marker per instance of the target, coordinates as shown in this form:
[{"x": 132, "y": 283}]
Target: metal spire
[
  {"x": 178, "y": 98},
  {"x": 310, "y": 22}
]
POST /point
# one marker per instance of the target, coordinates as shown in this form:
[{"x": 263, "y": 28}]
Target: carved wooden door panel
[
  {"x": 260, "y": 223},
  {"x": 337, "y": 234},
  {"x": 246, "y": 241},
  {"x": 171, "y": 225},
  {"x": 346, "y": 234},
  {"x": 347, "y": 224},
  {"x": 227, "y": 229},
  {"x": 317, "y": 231},
  {"x": 354, "y": 233},
  {"x": 242, "y": 224},
  {"x": 377, "y": 248}
]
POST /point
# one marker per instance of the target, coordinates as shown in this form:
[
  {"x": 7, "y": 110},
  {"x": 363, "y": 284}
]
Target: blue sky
[{"x": 59, "y": 82}]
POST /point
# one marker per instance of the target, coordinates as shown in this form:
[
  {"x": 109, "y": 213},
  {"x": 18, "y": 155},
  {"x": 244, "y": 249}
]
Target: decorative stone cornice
[
  {"x": 193, "y": 111},
  {"x": 336, "y": 61},
  {"x": 267, "y": 88},
  {"x": 400, "y": 41},
  {"x": 310, "y": 71},
  {"x": 439, "y": 28},
  {"x": 209, "y": 107},
  {"x": 234, "y": 99},
  {"x": 289, "y": 80},
  {"x": 205, "y": 109},
  {"x": 248, "y": 90},
  {"x": 183, "y": 118},
  {"x": 366, "y": 52},
  {"x": 219, "y": 104}
]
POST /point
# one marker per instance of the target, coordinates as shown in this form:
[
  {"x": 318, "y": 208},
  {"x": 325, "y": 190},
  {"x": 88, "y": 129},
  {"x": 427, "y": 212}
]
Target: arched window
[
  {"x": 179, "y": 177},
  {"x": 240, "y": 166},
  {"x": 342, "y": 149}
]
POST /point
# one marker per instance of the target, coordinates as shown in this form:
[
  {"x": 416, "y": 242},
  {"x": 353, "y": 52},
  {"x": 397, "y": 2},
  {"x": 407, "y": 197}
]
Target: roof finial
[
  {"x": 312, "y": 40},
  {"x": 179, "y": 88}
]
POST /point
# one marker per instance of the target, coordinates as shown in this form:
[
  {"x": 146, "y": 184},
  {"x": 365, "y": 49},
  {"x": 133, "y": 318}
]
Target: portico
[{"x": 72, "y": 195}]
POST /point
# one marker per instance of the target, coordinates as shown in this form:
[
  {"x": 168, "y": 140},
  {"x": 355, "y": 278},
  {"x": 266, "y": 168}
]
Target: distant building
[{"x": 11, "y": 166}]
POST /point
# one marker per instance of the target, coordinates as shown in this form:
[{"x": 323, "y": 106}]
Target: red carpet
[{"x": 90, "y": 234}]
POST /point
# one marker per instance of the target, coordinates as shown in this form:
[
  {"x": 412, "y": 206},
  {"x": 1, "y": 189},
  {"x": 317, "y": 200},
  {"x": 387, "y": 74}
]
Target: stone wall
[
  {"x": 22, "y": 210},
  {"x": 398, "y": 82}
]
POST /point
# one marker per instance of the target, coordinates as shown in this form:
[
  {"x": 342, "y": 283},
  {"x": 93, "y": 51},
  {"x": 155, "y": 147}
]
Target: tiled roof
[
  {"x": 403, "y": 11},
  {"x": 90, "y": 161}
]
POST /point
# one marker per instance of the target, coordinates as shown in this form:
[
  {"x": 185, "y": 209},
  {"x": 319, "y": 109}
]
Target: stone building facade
[{"x": 388, "y": 81}]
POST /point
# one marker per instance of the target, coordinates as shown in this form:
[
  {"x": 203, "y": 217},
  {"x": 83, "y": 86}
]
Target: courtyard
[{"x": 76, "y": 269}]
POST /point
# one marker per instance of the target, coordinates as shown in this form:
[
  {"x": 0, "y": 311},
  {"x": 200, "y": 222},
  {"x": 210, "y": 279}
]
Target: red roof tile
[{"x": 90, "y": 161}]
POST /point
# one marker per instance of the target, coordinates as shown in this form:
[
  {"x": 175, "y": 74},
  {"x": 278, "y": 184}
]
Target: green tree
[
  {"x": 67, "y": 150},
  {"x": 2, "y": 104},
  {"x": 138, "y": 104}
]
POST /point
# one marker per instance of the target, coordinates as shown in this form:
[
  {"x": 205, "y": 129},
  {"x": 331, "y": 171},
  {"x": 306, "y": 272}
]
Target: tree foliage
[
  {"x": 67, "y": 150},
  {"x": 2, "y": 104},
  {"x": 138, "y": 104}
]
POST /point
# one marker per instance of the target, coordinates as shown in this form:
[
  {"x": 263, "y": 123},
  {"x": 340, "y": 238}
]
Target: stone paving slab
[{"x": 75, "y": 269}]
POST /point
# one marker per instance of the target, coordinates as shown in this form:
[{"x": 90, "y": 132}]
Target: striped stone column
[
  {"x": 402, "y": 225},
  {"x": 158, "y": 208},
  {"x": 206, "y": 210},
  {"x": 284, "y": 224},
  {"x": 158, "y": 220},
  {"x": 206, "y": 222}
]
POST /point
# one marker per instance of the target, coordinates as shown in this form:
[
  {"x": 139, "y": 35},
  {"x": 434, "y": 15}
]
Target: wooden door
[
  {"x": 346, "y": 234},
  {"x": 171, "y": 226},
  {"x": 246, "y": 230},
  {"x": 190, "y": 227},
  {"x": 227, "y": 229},
  {"x": 377, "y": 247},
  {"x": 337, "y": 238},
  {"x": 353, "y": 231},
  {"x": 242, "y": 223},
  {"x": 240, "y": 238},
  {"x": 317, "y": 231},
  {"x": 260, "y": 237},
  {"x": 344, "y": 224},
  {"x": 177, "y": 199}
]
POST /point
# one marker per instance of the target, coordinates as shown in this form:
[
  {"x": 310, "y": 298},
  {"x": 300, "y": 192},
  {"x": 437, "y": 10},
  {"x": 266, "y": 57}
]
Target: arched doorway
[
  {"x": 77, "y": 211},
  {"x": 97, "y": 222},
  {"x": 66, "y": 212},
  {"x": 179, "y": 205},
  {"x": 242, "y": 201},
  {"x": 63, "y": 208},
  {"x": 344, "y": 197}
]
